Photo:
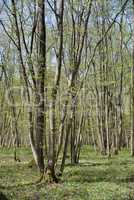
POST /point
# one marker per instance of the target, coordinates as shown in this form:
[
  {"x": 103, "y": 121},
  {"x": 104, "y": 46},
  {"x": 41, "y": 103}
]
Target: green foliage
[{"x": 95, "y": 178}]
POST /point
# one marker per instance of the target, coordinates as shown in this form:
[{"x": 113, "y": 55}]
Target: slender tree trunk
[
  {"x": 40, "y": 82},
  {"x": 132, "y": 96}
]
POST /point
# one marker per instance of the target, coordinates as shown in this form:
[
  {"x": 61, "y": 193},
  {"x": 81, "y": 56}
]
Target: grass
[{"x": 95, "y": 178}]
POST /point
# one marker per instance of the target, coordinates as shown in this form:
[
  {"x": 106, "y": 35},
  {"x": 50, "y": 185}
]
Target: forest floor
[{"x": 95, "y": 178}]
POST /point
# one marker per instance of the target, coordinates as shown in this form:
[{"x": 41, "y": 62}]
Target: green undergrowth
[{"x": 94, "y": 178}]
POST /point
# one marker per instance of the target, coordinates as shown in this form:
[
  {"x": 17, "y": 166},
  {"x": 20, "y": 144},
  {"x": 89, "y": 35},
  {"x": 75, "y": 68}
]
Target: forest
[{"x": 67, "y": 99}]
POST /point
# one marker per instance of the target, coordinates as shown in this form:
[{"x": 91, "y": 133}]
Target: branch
[
  {"x": 11, "y": 38},
  {"x": 100, "y": 41}
]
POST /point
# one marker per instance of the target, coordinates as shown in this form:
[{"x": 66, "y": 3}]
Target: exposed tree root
[
  {"x": 32, "y": 163},
  {"x": 47, "y": 177}
]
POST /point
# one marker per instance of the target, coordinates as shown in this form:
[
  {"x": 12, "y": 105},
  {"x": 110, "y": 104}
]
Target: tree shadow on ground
[
  {"x": 86, "y": 172},
  {"x": 99, "y": 172}
]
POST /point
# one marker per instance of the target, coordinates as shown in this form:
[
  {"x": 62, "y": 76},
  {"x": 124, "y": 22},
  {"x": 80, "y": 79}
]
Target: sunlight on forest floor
[{"x": 94, "y": 178}]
